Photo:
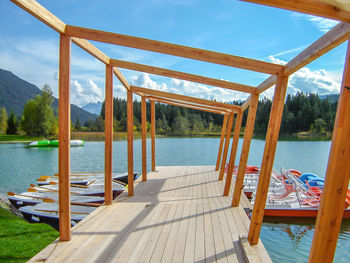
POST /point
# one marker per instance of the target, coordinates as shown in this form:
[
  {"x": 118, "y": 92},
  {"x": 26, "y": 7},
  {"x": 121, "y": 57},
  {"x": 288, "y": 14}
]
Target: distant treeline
[{"x": 302, "y": 112}]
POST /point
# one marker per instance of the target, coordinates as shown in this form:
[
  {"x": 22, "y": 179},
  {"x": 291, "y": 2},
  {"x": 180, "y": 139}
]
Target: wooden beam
[
  {"x": 248, "y": 133},
  {"x": 222, "y": 138},
  {"x": 64, "y": 138},
  {"x": 184, "y": 76},
  {"x": 268, "y": 159},
  {"x": 337, "y": 179},
  {"x": 109, "y": 135},
  {"x": 312, "y": 7},
  {"x": 237, "y": 131},
  {"x": 227, "y": 145},
  {"x": 144, "y": 138},
  {"x": 153, "y": 135},
  {"x": 173, "y": 49},
  {"x": 41, "y": 13},
  {"x": 130, "y": 126},
  {"x": 202, "y": 102},
  {"x": 333, "y": 38},
  {"x": 121, "y": 78},
  {"x": 246, "y": 104},
  {"x": 187, "y": 105},
  {"x": 91, "y": 49}
]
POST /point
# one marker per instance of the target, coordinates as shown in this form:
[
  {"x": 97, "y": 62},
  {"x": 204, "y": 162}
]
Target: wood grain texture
[
  {"x": 184, "y": 76},
  {"x": 64, "y": 138},
  {"x": 248, "y": 133},
  {"x": 222, "y": 138},
  {"x": 268, "y": 158},
  {"x": 173, "y": 49},
  {"x": 337, "y": 179},
  {"x": 153, "y": 135},
  {"x": 130, "y": 138},
  {"x": 312, "y": 7},
  {"x": 108, "y": 135},
  {"x": 144, "y": 138},
  {"x": 226, "y": 146},
  {"x": 236, "y": 133},
  {"x": 91, "y": 49}
]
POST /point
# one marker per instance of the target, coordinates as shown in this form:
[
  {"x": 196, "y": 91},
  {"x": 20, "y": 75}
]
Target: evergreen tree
[
  {"x": 3, "y": 120},
  {"x": 12, "y": 124},
  {"x": 77, "y": 125}
]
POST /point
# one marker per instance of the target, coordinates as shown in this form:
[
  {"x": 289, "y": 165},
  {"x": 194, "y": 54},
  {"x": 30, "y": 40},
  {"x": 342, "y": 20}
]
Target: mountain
[
  {"x": 94, "y": 108},
  {"x": 15, "y": 92},
  {"x": 330, "y": 97}
]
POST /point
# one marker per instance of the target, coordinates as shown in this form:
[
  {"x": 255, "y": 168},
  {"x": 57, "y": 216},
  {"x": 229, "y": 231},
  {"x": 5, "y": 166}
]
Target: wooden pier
[{"x": 178, "y": 215}]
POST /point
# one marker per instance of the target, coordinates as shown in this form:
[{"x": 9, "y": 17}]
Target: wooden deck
[{"x": 178, "y": 215}]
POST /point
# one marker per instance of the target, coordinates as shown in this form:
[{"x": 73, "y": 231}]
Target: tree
[
  {"x": 77, "y": 125},
  {"x": 12, "y": 124},
  {"x": 3, "y": 120},
  {"x": 38, "y": 117}
]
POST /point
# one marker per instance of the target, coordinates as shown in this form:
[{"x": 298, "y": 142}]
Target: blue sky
[{"x": 29, "y": 48}]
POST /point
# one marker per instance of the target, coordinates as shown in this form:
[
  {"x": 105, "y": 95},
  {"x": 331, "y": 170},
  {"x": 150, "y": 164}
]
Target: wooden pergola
[{"x": 338, "y": 170}]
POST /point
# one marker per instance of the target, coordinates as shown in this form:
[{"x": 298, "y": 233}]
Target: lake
[{"x": 21, "y": 166}]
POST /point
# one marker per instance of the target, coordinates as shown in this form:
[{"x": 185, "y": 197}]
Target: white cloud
[
  {"x": 84, "y": 94},
  {"x": 144, "y": 80},
  {"x": 323, "y": 24},
  {"x": 308, "y": 81}
]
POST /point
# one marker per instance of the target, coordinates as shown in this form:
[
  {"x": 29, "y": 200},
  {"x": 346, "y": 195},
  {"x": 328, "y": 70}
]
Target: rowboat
[
  {"x": 33, "y": 198},
  {"x": 48, "y": 213}
]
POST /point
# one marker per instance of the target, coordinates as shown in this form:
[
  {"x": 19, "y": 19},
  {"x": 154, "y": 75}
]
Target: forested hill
[
  {"x": 302, "y": 112},
  {"x": 15, "y": 92}
]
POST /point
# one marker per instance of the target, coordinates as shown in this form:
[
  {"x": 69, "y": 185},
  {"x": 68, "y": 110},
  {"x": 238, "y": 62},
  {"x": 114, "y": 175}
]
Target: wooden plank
[
  {"x": 234, "y": 146},
  {"x": 173, "y": 49},
  {"x": 222, "y": 137},
  {"x": 184, "y": 76},
  {"x": 227, "y": 144},
  {"x": 109, "y": 135},
  {"x": 130, "y": 126},
  {"x": 153, "y": 135},
  {"x": 337, "y": 178},
  {"x": 144, "y": 138},
  {"x": 248, "y": 133},
  {"x": 312, "y": 7},
  {"x": 121, "y": 78},
  {"x": 41, "y": 13},
  {"x": 91, "y": 49},
  {"x": 333, "y": 38},
  {"x": 64, "y": 138},
  {"x": 268, "y": 159},
  {"x": 246, "y": 104},
  {"x": 167, "y": 95},
  {"x": 187, "y": 105}
]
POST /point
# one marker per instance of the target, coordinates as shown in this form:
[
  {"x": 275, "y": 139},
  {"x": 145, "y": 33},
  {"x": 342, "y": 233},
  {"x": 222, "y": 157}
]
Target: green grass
[
  {"x": 20, "y": 240},
  {"x": 5, "y": 137}
]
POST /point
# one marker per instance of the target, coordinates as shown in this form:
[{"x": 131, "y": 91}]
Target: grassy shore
[
  {"x": 21, "y": 240},
  {"x": 18, "y": 138}
]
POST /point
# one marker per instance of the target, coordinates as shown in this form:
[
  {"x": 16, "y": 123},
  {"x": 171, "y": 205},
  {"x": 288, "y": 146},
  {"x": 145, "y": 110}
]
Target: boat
[
  {"x": 48, "y": 213},
  {"x": 54, "y": 143},
  {"x": 86, "y": 178},
  {"x": 33, "y": 198}
]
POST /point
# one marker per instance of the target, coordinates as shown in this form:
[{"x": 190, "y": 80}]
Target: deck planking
[{"x": 178, "y": 215}]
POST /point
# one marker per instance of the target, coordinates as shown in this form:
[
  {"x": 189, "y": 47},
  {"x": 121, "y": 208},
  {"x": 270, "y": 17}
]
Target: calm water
[{"x": 21, "y": 166}]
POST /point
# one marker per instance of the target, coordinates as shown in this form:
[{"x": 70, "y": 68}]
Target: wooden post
[
  {"x": 268, "y": 158},
  {"x": 235, "y": 140},
  {"x": 227, "y": 145},
  {"x": 130, "y": 127},
  {"x": 330, "y": 214},
  {"x": 64, "y": 138},
  {"x": 108, "y": 135},
  {"x": 218, "y": 159},
  {"x": 153, "y": 135},
  {"x": 248, "y": 133},
  {"x": 144, "y": 138}
]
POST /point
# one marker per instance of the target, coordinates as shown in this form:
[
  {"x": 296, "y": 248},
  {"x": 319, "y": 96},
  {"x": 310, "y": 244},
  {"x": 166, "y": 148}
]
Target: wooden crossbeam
[
  {"x": 333, "y": 38},
  {"x": 91, "y": 49},
  {"x": 246, "y": 104},
  {"x": 185, "y": 105},
  {"x": 184, "y": 76},
  {"x": 167, "y": 95},
  {"x": 312, "y": 7},
  {"x": 173, "y": 49}
]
